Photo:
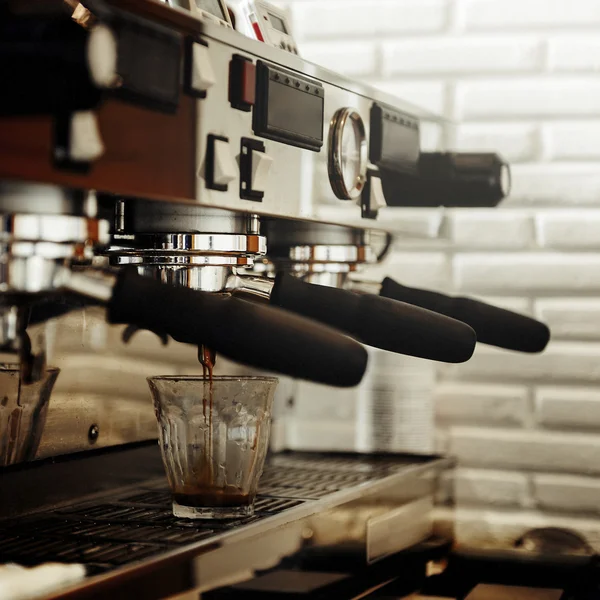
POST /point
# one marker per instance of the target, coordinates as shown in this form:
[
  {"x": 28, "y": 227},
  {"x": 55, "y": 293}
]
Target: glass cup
[
  {"x": 23, "y": 409},
  {"x": 214, "y": 437}
]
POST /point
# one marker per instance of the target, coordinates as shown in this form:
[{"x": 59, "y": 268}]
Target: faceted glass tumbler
[
  {"x": 213, "y": 438},
  {"x": 23, "y": 409}
]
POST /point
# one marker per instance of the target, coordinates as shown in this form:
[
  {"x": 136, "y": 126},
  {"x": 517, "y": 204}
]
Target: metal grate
[{"x": 130, "y": 526}]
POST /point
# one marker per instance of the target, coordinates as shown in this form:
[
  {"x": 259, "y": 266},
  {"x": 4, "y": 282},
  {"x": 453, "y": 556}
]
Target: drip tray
[{"x": 135, "y": 524}]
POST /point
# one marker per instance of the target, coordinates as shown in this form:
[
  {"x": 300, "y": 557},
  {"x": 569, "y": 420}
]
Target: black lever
[
  {"x": 257, "y": 335},
  {"x": 377, "y": 321},
  {"x": 493, "y": 325}
]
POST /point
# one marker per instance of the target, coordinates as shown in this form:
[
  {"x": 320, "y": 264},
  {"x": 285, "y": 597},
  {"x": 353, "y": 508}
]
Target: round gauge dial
[{"x": 347, "y": 162}]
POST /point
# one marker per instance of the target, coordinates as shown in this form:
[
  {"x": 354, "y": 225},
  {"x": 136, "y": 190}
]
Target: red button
[
  {"x": 242, "y": 83},
  {"x": 248, "y": 83}
]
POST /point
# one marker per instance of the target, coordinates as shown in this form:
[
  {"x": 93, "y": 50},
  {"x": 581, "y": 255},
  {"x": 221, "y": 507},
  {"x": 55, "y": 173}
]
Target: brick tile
[
  {"x": 520, "y": 272},
  {"x": 574, "y": 53},
  {"x": 339, "y": 18},
  {"x": 528, "y": 98},
  {"x": 568, "y": 407},
  {"x": 567, "y": 493},
  {"x": 515, "y": 142},
  {"x": 526, "y": 450},
  {"x": 493, "y": 488},
  {"x": 555, "y": 184},
  {"x": 572, "y": 140},
  {"x": 572, "y": 362},
  {"x": 472, "y": 228},
  {"x": 568, "y": 229},
  {"x": 468, "y": 403},
  {"x": 519, "y": 14},
  {"x": 570, "y": 318},
  {"x": 462, "y": 55}
]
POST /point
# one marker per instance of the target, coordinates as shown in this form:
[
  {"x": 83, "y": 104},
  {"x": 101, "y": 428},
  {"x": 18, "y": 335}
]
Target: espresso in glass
[{"x": 214, "y": 435}]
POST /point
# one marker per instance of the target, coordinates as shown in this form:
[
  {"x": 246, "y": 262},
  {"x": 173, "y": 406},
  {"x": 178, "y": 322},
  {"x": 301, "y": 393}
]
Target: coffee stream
[
  {"x": 208, "y": 358},
  {"x": 202, "y": 492}
]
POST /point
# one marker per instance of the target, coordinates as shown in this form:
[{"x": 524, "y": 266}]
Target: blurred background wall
[{"x": 520, "y": 77}]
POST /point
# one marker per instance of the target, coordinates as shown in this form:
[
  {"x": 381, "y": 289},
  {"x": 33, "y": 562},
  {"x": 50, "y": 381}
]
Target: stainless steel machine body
[{"x": 224, "y": 191}]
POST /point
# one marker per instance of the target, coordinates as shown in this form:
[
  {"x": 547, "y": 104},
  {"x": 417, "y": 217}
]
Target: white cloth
[{"x": 21, "y": 583}]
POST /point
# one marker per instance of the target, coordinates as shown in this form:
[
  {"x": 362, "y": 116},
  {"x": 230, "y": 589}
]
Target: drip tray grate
[{"x": 129, "y": 526}]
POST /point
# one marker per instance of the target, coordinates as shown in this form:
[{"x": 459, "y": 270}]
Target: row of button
[
  {"x": 223, "y": 169},
  {"x": 288, "y": 47}
]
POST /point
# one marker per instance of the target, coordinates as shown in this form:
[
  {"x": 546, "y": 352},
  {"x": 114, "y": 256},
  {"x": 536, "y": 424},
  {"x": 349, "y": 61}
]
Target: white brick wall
[
  {"x": 570, "y": 318},
  {"x": 519, "y": 77},
  {"x": 527, "y": 449},
  {"x": 572, "y": 140},
  {"x": 516, "y": 142},
  {"x": 530, "y": 97},
  {"x": 496, "y": 488},
  {"x": 480, "y": 404},
  {"x": 576, "y": 408},
  {"x": 530, "y": 14},
  {"x": 574, "y": 53},
  {"x": 480, "y": 54},
  {"x": 509, "y": 230}
]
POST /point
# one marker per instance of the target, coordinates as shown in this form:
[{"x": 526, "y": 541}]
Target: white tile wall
[
  {"x": 530, "y": 14},
  {"x": 519, "y": 77}
]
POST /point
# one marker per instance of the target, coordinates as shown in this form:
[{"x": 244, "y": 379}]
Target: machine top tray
[{"x": 123, "y": 533}]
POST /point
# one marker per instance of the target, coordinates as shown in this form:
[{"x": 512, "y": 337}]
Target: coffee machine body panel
[
  {"x": 196, "y": 154},
  {"x": 303, "y": 100}
]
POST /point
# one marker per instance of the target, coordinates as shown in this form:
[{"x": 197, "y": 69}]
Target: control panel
[
  {"x": 214, "y": 11},
  {"x": 248, "y": 128},
  {"x": 264, "y": 22}
]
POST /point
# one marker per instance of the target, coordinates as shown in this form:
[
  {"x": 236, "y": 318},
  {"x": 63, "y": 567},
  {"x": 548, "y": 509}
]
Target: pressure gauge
[{"x": 347, "y": 162}]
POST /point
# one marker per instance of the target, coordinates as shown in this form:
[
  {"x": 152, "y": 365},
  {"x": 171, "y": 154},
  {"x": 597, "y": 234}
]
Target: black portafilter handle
[
  {"x": 379, "y": 322},
  {"x": 493, "y": 325},
  {"x": 260, "y": 336}
]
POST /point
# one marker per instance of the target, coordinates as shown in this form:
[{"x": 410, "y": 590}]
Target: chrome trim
[
  {"x": 335, "y": 163},
  {"x": 332, "y": 254},
  {"x": 181, "y": 260},
  {"x": 52, "y": 228},
  {"x": 208, "y": 278},
  {"x": 213, "y": 243}
]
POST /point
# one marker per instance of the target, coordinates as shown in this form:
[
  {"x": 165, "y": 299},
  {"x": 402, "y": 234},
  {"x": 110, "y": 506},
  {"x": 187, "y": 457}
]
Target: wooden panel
[{"x": 146, "y": 153}]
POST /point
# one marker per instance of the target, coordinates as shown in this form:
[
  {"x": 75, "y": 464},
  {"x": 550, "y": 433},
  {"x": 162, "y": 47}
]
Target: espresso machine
[{"x": 163, "y": 173}]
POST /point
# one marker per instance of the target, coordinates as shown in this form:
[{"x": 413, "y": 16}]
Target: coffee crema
[{"x": 199, "y": 497}]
